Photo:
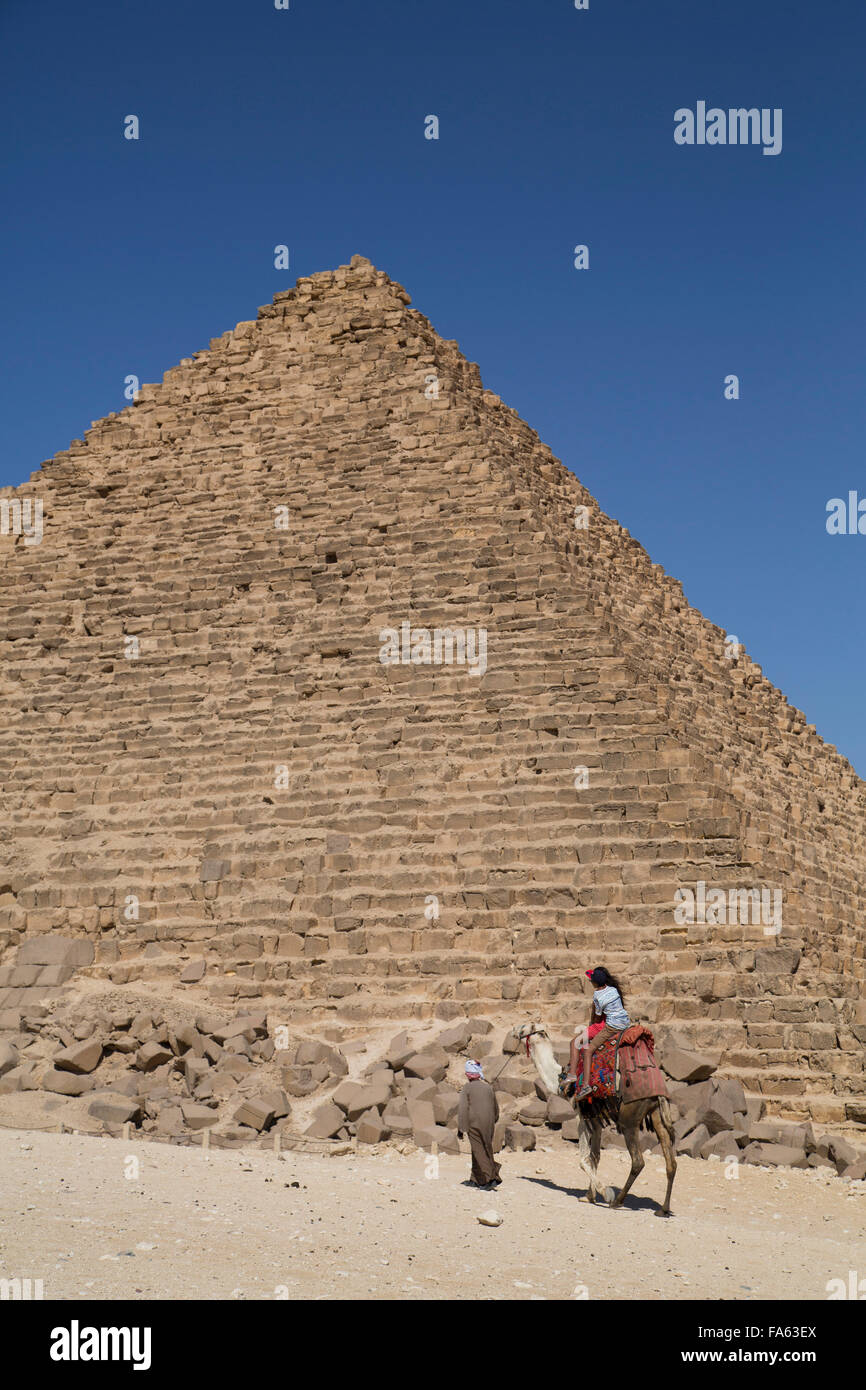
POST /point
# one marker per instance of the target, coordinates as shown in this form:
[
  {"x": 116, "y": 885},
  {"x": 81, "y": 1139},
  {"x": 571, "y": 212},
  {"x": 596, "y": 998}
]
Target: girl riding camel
[{"x": 609, "y": 1020}]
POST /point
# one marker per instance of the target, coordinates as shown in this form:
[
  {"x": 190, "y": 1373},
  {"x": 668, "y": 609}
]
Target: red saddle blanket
[{"x": 639, "y": 1077}]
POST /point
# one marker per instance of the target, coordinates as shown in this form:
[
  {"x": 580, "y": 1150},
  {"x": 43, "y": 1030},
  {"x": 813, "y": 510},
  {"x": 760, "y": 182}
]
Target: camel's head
[{"x": 528, "y": 1031}]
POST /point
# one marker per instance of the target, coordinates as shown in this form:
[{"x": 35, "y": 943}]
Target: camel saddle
[{"x": 625, "y": 1069}]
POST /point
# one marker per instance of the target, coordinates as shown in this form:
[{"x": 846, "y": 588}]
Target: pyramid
[{"x": 228, "y": 736}]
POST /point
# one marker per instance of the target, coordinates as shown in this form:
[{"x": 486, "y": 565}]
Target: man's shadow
[{"x": 631, "y": 1202}]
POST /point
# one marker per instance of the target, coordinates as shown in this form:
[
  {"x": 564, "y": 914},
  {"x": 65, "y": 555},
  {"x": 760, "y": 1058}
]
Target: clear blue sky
[{"x": 306, "y": 127}]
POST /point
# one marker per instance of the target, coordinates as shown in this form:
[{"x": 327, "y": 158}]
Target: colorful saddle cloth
[{"x": 630, "y": 1075}]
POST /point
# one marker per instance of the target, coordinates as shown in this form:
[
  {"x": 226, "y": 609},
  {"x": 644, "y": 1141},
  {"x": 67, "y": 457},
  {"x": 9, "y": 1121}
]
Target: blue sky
[{"x": 306, "y": 127}]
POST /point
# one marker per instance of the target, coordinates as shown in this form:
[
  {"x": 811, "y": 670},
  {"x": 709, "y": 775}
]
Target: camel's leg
[
  {"x": 661, "y": 1121},
  {"x": 588, "y": 1147},
  {"x": 595, "y": 1148},
  {"x": 630, "y": 1134}
]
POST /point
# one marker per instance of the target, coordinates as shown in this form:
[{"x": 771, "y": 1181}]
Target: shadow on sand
[{"x": 631, "y": 1203}]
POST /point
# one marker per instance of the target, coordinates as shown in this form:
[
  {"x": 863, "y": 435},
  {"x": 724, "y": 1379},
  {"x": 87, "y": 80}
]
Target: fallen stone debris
[{"x": 173, "y": 1080}]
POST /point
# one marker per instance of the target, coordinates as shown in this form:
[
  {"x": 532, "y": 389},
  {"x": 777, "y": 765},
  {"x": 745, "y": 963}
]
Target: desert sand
[{"x": 98, "y": 1218}]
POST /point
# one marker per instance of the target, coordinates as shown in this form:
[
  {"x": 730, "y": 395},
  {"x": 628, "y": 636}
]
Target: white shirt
[{"x": 608, "y": 1003}]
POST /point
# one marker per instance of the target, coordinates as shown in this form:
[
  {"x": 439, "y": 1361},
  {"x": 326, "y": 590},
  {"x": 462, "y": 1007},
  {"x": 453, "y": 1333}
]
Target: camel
[{"x": 628, "y": 1116}]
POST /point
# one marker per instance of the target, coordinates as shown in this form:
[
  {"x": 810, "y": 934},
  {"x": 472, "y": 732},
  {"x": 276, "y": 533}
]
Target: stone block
[
  {"x": 692, "y": 1143},
  {"x": 421, "y": 1113},
  {"x": 197, "y": 1116},
  {"x": 115, "y": 1109},
  {"x": 774, "y": 1156},
  {"x": 455, "y": 1039},
  {"x": 517, "y": 1086},
  {"x": 67, "y": 1083},
  {"x": 399, "y": 1051},
  {"x": 396, "y": 1117},
  {"x": 56, "y": 950},
  {"x": 255, "y": 1112},
  {"x": 373, "y": 1096},
  {"x": 687, "y": 1066},
  {"x": 445, "y": 1106},
  {"x": 80, "y": 1057},
  {"x": 425, "y": 1067},
  {"x": 535, "y": 1113},
  {"x": 413, "y": 1088},
  {"x": 299, "y": 1081},
  {"x": 559, "y": 1111},
  {"x": 433, "y": 1136},
  {"x": 152, "y": 1055},
  {"x": 519, "y": 1138},
  {"x": 327, "y": 1121},
  {"x": 193, "y": 972},
  {"x": 723, "y": 1145},
  {"x": 371, "y": 1128}
]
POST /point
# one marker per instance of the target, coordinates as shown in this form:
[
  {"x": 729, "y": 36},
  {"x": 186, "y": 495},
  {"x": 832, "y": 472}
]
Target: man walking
[{"x": 476, "y": 1116}]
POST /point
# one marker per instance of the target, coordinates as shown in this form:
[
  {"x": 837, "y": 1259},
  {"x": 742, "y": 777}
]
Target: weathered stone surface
[
  {"x": 396, "y": 1117},
  {"x": 327, "y": 1121},
  {"x": 841, "y": 1152},
  {"x": 67, "y": 1083},
  {"x": 347, "y": 1092},
  {"x": 9, "y": 1057},
  {"x": 399, "y": 1051},
  {"x": 425, "y": 1067},
  {"x": 445, "y": 1106},
  {"x": 372, "y": 1129},
  {"x": 56, "y": 950},
  {"x": 535, "y": 1113},
  {"x": 723, "y": 1145},
  {"x": 422, "y": 1114},
  {"x": 299, "y": 1081},
  {"x": 313, "y": 896},
  {"x": 717, "y": 1116},
  {"x": 559, "y": 1111},
  {"x": 432, "y": 1136},
  {"x": 170, "y": 1122},
  {"x": 247, "y": 1026},
  {"x": 774, "y": 1156},
  {"x": 515, "y": 1086},
  {"x": 686, "y": 1066},
  {"x": 454, "y": 1039},
  {"x": 413, "y": 1088},
  {"x": 196, "y": 1116},
  {"x": 192, "y": 973},
  {"x": 256, "y": 1112},
  {"x": 519, "y": 1137},
  {"x": 685, "y": 1124},
  {"x": 374, "y": 1096},
  {"x": 152, "y": 1055},
  {"x": 115, "y": 1109},
  {"x": 80, "y": 1058},
  {"x": 692, "y": 1143}
]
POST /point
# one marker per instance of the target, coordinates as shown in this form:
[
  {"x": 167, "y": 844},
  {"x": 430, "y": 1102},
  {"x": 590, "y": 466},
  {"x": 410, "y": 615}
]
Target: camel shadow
[{"x": 631, "y": 1203}]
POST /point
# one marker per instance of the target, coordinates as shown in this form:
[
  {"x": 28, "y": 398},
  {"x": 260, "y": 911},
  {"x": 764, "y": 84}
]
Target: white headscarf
[{"x": 473, "y": 1069}]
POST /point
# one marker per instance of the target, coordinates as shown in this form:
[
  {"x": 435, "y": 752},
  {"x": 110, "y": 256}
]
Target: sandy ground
[{"x": 100, "y": 1218}]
